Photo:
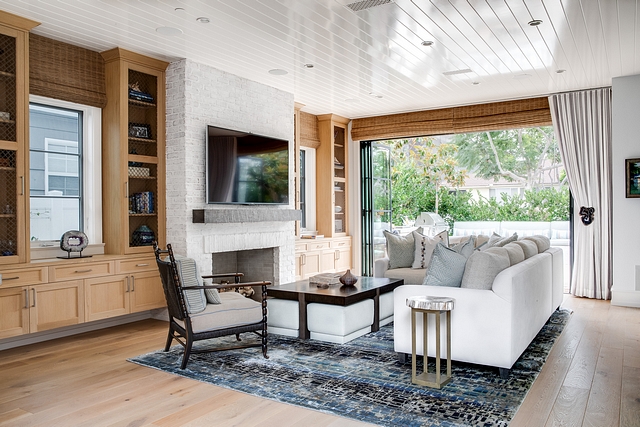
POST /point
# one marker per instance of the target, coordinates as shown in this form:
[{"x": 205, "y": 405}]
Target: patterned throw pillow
[
  {"x": 500, "y": 243},
  {"x": 195, "y": 299},
  {"x": 483, "y": 267},
  {"x": 424, "y": 246},
  {"x": 466, "y": 248},
  {"x": 213, "y": 297},
  {"x": 446, "y": 267},
  {"x": 400, "y": 249}
]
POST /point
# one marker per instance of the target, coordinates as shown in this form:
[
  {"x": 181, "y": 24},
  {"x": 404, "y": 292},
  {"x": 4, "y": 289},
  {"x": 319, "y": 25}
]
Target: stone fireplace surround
[{"x": 199, "y": 95}]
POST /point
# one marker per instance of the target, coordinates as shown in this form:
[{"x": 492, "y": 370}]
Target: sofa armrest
[{"x": 380, "y": 266}]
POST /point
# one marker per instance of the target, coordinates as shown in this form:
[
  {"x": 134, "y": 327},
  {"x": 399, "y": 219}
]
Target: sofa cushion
[
  {"x": 529, "y": 247},
  {"x": 446, "y": 267},
  {"x": 483, "y": 266},
  {"x": 195, "y": 299},
  {"x": 411, "y": 276},
  {"x": 516, "y": 254},
  {"x": 400, "y": 249},
  {"x": 493, "y": 239},
  {"x": 506, "y": 240},
  {"x": 424, "y": 246},
  {"x": 542, "y": 242}
]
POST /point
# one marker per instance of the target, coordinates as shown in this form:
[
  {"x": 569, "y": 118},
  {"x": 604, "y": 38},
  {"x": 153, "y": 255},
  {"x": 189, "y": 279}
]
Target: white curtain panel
[{"x": 582, "y": 123}]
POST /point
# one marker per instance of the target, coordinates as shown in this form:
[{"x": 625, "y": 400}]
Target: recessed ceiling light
[
  {"x": 535, "y": 22},
  {"x": 278, "y": 72},
  {"x": 427, "y": 43},
  {"x": 521, "y": 76},
  {"x": 169, "y": 31},
  {"x": 560, "y": 71},
  {"x": 203, "y": 20},
  {"x": 180, "y": 9},
  {"x": 308, "y": 65},
  {"x": 375, "y": 95}
]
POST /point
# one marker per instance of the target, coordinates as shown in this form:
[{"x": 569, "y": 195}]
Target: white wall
[
  {"x": 199, "y": 95},
  {"x": 626, "y": 212}
]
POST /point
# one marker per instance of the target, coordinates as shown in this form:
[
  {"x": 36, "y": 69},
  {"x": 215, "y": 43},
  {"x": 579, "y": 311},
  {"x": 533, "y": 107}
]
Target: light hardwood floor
[{"x": 592, "y": 378}]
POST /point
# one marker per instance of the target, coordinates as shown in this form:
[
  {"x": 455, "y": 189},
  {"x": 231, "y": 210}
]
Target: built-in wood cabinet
[
  {"x": 14, "y": 131},
  {"x": 332, "y": 192},
  {"x": 57, "y": 293},
  {"x": 322, "y": 256},
  {"x": 133, "y": 152}
]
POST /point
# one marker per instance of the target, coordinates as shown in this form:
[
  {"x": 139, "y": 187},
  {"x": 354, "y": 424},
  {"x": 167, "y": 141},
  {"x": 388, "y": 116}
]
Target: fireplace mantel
[{"x": 211, "y": 216}]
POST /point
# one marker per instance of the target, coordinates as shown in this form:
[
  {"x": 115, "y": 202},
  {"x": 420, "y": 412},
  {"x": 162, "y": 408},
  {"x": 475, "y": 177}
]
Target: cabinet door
[
  {"x": 14, "y": 312},
  {"x": 107, "y": 297},
  {"x": 343, "y": 259},
  {"x": 329, "y": 261},
  {"x": 311, "y": 264},
  {"x": 56, "y": 305},
  {"x": 298, "y": 266},
  {"x": 146, "y": 291}
]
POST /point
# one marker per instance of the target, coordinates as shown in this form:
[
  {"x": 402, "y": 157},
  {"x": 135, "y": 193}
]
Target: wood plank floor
[{"x": 592, "y": 378}]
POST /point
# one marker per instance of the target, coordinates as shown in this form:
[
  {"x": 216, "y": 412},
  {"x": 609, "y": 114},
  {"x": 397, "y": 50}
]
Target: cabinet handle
[
  {"x": 126, "y": 190},
  {"x": 303, "y": 259},
  {"x": 127, "y": 285},
  {"x": 142, "y": 265},
  {"x": 337, "y": 254},
  {"x": 22, "y": 185},
  {"x": 133, "y": 284},
  {"x": 11, "y": 278},
  {"x": 34, "y": 297},
  {"x": 26, "y": 298},
  {"x": 84, "y": 271}
]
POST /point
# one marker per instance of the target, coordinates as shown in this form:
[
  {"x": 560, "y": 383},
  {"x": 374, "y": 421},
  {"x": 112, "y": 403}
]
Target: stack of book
[
  {"x": 140, "y": 96},
  {"x": 141, "y": 203},
  {"x": 324, "y": 280}
]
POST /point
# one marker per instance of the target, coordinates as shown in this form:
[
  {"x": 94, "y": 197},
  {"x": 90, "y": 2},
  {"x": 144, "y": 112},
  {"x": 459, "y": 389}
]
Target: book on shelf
[
  {"x": 141, "y": 203},
  {"x": 312, "y": 236},
  {"x": 325, "y": 279}
]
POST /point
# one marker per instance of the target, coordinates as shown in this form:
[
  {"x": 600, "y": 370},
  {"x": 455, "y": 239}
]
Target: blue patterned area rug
[{"x": 363, "y": 379}]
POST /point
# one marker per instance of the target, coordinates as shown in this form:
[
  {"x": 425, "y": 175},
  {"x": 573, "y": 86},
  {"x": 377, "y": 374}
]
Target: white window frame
[
  {"x": 91, "y": 172},
  {"x": 310, "y": 187}
]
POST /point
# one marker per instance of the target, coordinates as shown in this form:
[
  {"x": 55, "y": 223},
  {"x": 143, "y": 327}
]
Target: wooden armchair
[{"x": 195, "y": 315}]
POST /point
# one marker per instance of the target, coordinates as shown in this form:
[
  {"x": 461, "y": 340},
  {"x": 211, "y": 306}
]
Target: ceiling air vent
[
  {"x": 366, "y": 4},
  {"x": 454, "y": 72}
]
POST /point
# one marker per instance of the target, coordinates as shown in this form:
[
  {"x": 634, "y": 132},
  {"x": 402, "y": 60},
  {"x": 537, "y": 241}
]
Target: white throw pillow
[
  {"x": 483, "y": 267},
  {"x": 424, "y": 246},
  {"x": 446, "y": 267}
]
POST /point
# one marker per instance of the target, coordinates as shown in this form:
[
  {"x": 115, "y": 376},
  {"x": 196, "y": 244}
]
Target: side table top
[{"x": 431, "y": 303}]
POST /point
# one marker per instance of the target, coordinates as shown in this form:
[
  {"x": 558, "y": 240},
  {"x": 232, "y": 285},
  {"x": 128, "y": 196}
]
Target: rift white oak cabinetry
[
  {"x": 51, "y": 294},
  {"x": 316, "y": 256}
]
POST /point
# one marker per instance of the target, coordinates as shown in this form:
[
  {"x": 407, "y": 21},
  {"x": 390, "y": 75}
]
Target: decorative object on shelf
[
  {"x": 632, "y": 174},
  {"x": 141, "y": 203},
  {"x": 74, "y": 241},
  {"x": 348, "y": 279},
  {"x": 137, "y": 95},
  {"x": 587, "y": 215},
  {"x": 143, "y": 236},
  {"x": 139, "y": 130},
  {"x": 338, "y": 208},
  {"x": 5, "y": 115}
]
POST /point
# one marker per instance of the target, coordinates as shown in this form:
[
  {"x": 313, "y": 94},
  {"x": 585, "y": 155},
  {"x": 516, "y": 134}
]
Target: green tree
[{"x": 528, "y": 156}]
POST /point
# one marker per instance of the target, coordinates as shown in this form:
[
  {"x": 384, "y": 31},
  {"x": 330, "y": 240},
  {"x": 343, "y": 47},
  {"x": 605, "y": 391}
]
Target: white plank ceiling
[{"x": 372, "y": 61}]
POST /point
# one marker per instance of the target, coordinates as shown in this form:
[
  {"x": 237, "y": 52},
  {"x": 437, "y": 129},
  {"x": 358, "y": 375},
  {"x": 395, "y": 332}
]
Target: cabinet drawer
[
  {"x": 81, "y": 271},
  {"x": 23, "y": 277},
  {"x": 126, "y": 266},
  {"x": 317, "y": 246},
  {"x": 301, "y": 247},
  {"x": 340, "y": 243}
]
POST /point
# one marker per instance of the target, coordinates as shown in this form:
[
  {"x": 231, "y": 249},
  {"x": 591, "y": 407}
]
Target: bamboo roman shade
[
  {"x": 63, "y": 71},
  {"x": 472, "y": 118},
  {"x": 309, "y": 130}
]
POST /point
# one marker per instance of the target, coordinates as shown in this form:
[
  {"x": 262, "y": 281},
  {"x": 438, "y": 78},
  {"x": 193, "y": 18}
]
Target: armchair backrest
[{"x": 171, "y": 283}]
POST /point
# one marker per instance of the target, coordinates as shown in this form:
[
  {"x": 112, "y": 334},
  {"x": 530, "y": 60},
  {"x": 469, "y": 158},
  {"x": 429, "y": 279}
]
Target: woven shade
[
  {"x": 63, "y": 71},
  {"x": 309, "y": 130},
  {"x": 472, "y": 118}
]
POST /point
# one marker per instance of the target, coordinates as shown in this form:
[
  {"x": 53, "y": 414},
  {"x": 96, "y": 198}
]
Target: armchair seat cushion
[{"x": 234, "y": 310}]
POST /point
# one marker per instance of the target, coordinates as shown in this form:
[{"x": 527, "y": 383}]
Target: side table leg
[
  {"x": 449, "y": 344},
  {"x": 438, "y": 347},
  {"x": 425, "y": 340},
  {"x": 413, "y": 346}
]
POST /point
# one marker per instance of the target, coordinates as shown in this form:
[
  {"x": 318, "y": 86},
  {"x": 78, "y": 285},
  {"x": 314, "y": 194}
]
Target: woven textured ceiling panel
[
  {"x": 472, "y": 118},
  {"x": 63, "y": 71}
]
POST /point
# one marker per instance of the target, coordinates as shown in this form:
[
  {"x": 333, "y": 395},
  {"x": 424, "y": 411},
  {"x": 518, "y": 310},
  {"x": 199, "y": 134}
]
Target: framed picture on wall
[{"x": 632, "y": 174}]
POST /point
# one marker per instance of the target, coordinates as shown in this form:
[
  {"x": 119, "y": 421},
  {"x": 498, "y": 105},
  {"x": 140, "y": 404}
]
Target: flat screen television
[{"x": 243, "y": 168}]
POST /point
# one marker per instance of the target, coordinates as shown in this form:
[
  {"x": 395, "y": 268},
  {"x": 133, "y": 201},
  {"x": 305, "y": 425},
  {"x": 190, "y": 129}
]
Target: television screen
[{"x": 245, "y": 168}]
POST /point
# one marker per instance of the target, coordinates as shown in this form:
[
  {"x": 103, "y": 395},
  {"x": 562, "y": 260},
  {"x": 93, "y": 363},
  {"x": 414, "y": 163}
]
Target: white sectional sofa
[{"x": 489, "y": 326}]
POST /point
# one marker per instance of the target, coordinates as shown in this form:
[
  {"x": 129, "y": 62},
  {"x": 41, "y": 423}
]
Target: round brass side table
[{"x": 436, "y": 306}]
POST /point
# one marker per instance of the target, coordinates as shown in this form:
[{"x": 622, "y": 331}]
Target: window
[
  {"x": 307, "y": 195},
  {"x": 64, "y": 166}
]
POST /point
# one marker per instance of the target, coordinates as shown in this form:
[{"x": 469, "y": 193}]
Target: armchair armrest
[{"x": 380, "y": 266}]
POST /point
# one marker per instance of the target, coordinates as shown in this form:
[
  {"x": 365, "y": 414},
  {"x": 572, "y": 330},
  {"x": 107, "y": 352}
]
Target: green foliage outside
[{"x": 425, "y": 177}]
